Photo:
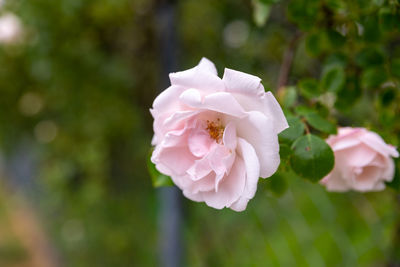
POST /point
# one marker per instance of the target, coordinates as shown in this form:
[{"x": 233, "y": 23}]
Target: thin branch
[{"x": 287, "y": 61}]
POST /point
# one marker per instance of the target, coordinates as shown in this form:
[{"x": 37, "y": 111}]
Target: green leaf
[
  {"x": 261, "y": 12},
  {"x": 337, "y": 58},
  {"x": 277, "y": 184},
  {"x": 303, "y": 110},
  {"x": 284, "y": 151},
  {"x": 369, "y": 57},
  {"x": 395, "y": 67},
  {"x": 312, "y": 158},
  {"x": 372, "y": 31},
  {"x": 315, "y": 43},
  {"x": 349, "y": 95},
  {"x": 309, "y": 88},
  {"x": 388, "y": 19},
  {"x": 333, "y": 78},
  {"x": 319, "y": 123},
  {"x": 304, "y": 13},
  {"x": 289, "y": 96},
  {"x": 388, "y": 96},
  {"x": 335, "y": 39},
  {"x": 295, "y": 130},
  {"x": 395, "y": 183},
  {"x": 158, "y": 179},
  {"x": 373, "y": 77}
]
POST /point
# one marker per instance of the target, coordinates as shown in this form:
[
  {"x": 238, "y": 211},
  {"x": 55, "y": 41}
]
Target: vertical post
[{"x": 170, "y": 214}]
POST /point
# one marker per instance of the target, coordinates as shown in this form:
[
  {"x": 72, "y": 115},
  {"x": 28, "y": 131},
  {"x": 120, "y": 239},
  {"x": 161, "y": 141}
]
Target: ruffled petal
[
  {"x": 357, "y": 156},
  {"x": 275, "y": 113},
  {"x": 206, "y": 65},
  {"x": 367, "y": 179},
  {"x": 248, "y": 154},
  {"x": 229, "y": 138},
  {"x": 230, "y": 189},
  {"x": 243, "y": 83},
  {"x": 334, "y": 182},
  {"x": 203, "y": 77},
  {"x": 221, "y": 102},
  {"x": 258, "y": 130},
  {"x": 166, "y": 102},
  {"x": 376, "y": 142}
]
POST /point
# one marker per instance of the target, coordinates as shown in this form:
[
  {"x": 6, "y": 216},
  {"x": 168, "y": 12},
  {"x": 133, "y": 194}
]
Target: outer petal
[
  {"x": 175, "y": 159},
  {"x": 243, "y": 83},
  {"x": 258, "y": 130},
  {"x": 388, "y": 171},
  {"x": 334, "y": 182},
  {"x": 275, "y": 113},
  {"x": 206, "y": 65},
  {"x": 203, "y": 77},
  {"x": 167, "y": 101},
  {"x": 357, "y": 156},
  {"x": 220, "y": 102},
  {"x": 376, "y": 142},
  {"x": 204, "y": 184},
  {"x": 368, "y": 179},
  {"x": 251, "y": 94},
  {"x": 248, "y": 154},
  {"x": 230, "y": 189}
]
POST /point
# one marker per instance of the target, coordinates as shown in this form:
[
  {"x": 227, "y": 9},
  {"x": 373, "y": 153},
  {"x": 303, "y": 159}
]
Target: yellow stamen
[{"x": 215, "y": 130}]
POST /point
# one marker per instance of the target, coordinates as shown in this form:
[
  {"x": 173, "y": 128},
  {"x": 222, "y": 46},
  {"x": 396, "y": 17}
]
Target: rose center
[{"x": 215, "y": 130}]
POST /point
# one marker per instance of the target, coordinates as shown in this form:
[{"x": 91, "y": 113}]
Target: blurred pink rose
[
  {"x": 215, "y": 137},
  {"x": 363, "y": 161}
]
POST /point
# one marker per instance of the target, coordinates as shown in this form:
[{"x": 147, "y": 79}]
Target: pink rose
[
  {"x": 363, "y": 161},
  {"x": 215, "y": 137}
]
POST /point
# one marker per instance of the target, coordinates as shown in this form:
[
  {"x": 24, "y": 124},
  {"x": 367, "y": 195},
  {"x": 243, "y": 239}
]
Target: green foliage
[
  {"x": 277, "y": 184},
  {"x": 333, "y": 78},
  {"x": 312, "y": 158},
  {"x": 288, "y": 96},
  {"x": 295, "y": 130},
  {"x": 309, "y": 88},
  {"x": 373, "y": 77},
  {"x": 320, "y": 123}
]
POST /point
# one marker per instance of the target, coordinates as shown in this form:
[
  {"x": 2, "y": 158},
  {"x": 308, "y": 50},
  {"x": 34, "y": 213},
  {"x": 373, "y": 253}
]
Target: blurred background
[{"x": 77, "y": 79}]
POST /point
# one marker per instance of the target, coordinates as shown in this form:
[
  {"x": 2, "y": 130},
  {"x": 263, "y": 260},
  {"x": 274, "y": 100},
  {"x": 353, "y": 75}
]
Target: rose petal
[
  {"x": 200, "y": 169},
  {"x": 258, "y": 130},
  {"x": 229, "y": 138},
  {"x": 366, "y": 181},
  {"x": 376, "y": 142},
  {"x": 220, "y": 102},
  {"x": 206, "y": 65},
  {"x": 201, "y": 77},
  {"x": 204, "y": 184},
  {"x": 250, "y": 93},
  {"x": 357, "y": 156},
  {"x": 388, "y": 171},
  {"x": 275, "y": 113},
  {"x": 248, "y": 154},
  {"x": 199, "y": 141},
  {"x": 243, "y": 83},
  {"x": 176, "y": 159},
  {"x": 166, "y": 102},
  {"x": 334, "y": 182},
  {"x": 230, "y": 189}
]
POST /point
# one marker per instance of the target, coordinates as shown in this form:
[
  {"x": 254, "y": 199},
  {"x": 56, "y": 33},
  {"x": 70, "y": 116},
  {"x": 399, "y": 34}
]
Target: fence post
[{"x": 170, "y": 213}]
